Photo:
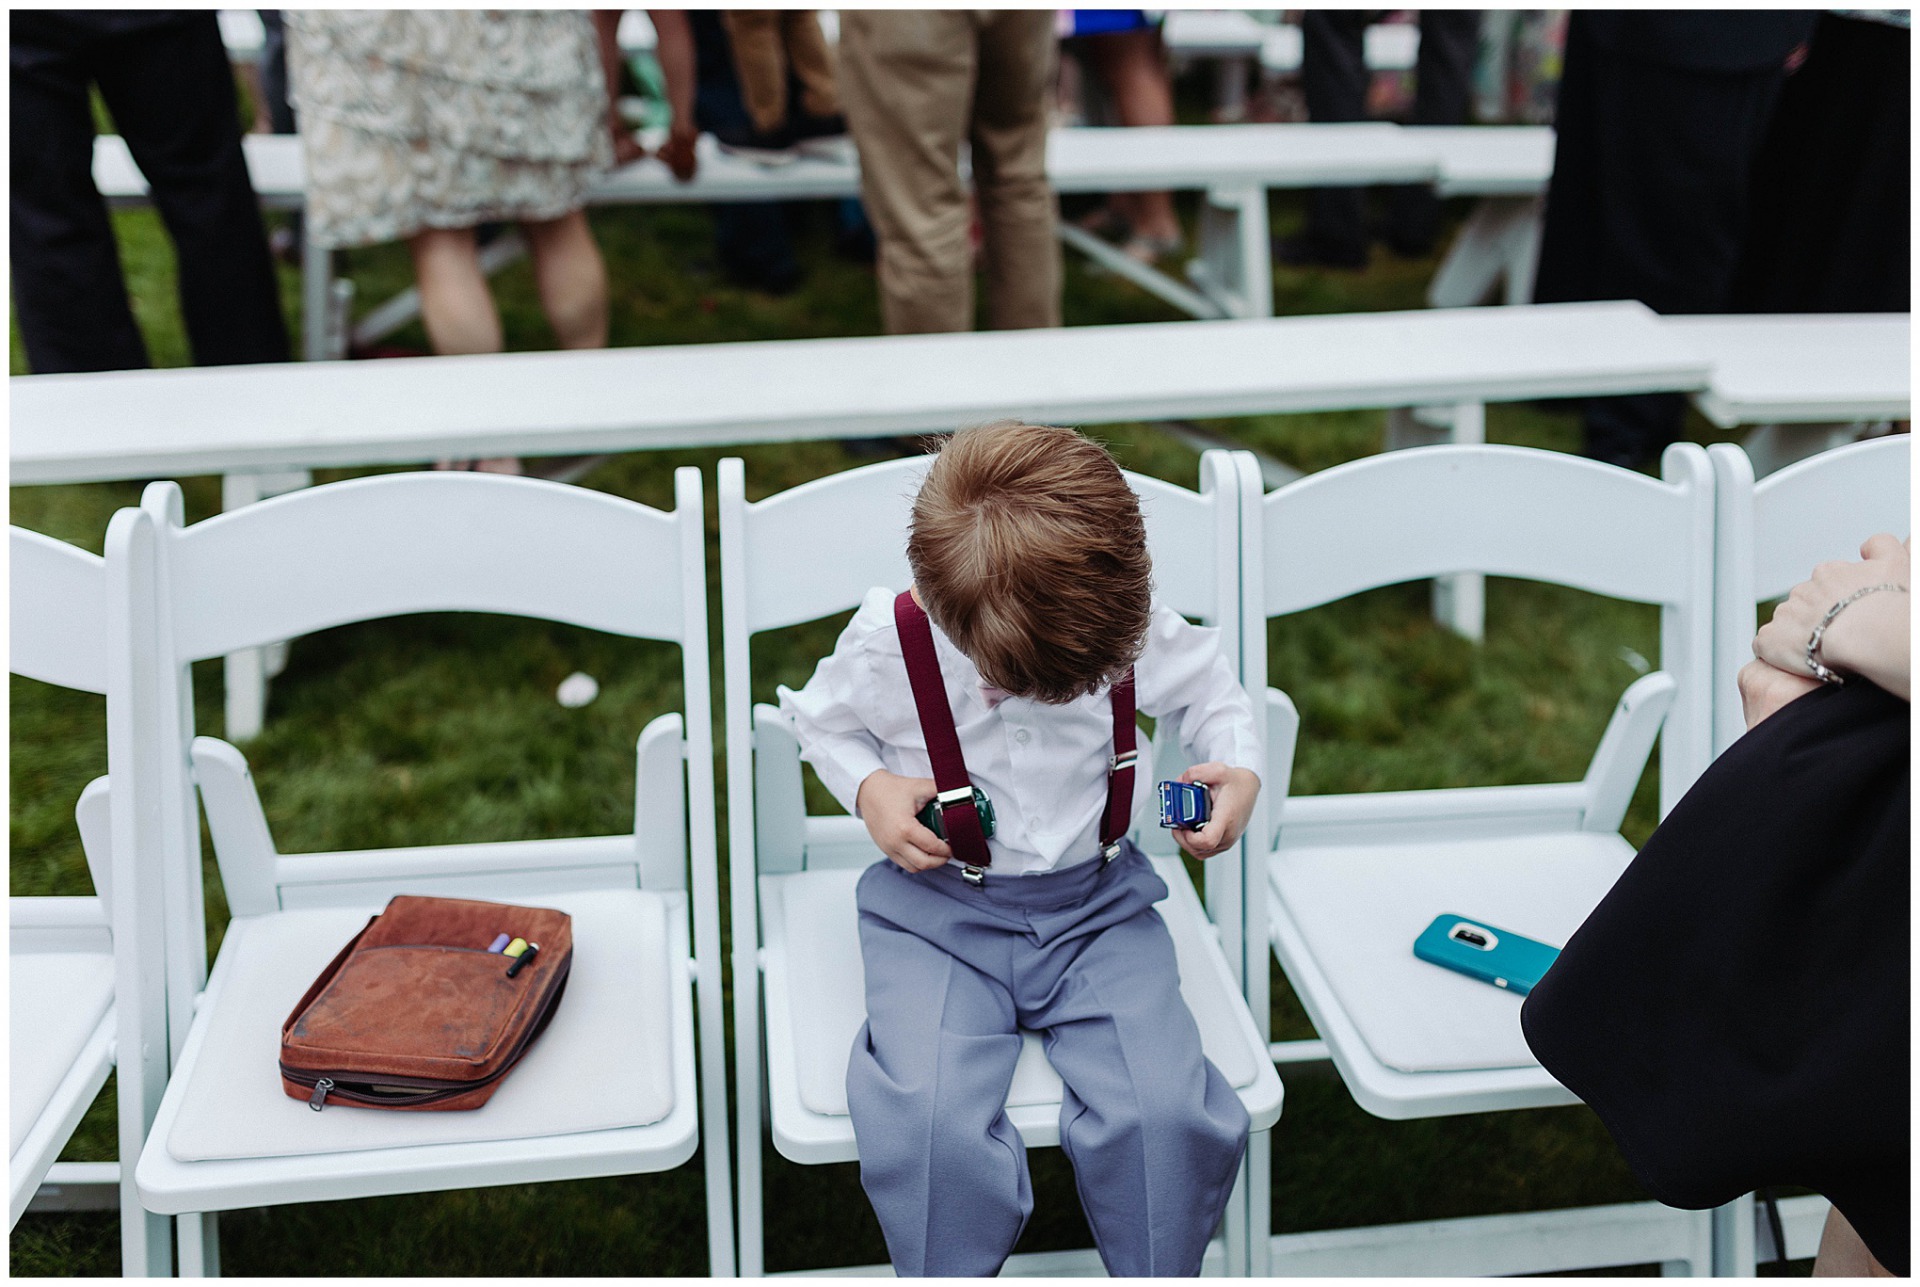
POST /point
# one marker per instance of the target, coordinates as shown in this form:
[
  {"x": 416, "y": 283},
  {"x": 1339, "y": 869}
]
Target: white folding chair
[
  {"x": 799, "y": 996},
  {"x": 611, "y": 1087},
  {"x": 1356, "y": 878},
  {"x": 63, "y": 970},
  {"x": 1767, "y": 538}
]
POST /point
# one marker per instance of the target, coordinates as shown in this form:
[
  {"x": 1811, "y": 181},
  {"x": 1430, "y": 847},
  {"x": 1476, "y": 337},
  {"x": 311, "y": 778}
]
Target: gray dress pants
[{"x": 1154, "y": 1132}]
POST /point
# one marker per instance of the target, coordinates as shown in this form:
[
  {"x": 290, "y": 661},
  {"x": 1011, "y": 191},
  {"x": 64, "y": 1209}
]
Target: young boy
[{"x": 1029, "y": 557}]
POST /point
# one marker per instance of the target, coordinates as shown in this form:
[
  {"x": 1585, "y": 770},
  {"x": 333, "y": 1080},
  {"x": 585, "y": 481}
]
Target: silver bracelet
[{"x": 1818, "y": 668}]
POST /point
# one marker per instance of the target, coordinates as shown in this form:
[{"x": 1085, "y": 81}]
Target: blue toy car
[{"x": 1184, "y": 805}]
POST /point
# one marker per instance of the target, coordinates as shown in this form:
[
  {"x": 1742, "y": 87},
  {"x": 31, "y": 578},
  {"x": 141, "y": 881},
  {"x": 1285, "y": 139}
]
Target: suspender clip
[
  {"x": 973, "y": 875},
  {"x": 1122, "y": 762}
]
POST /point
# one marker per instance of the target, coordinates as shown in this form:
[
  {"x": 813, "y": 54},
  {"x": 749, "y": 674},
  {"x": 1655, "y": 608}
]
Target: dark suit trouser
[
  {"x": 1648, "y": 201},
  {"x": 170, "y": 92},
  {"x": 1334, "y": 76}
]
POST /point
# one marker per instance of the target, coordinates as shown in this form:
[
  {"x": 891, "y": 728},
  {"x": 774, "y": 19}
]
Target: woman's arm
[
  {"x": 606, "y": 25},
  {"x": 674, "y": 49}
]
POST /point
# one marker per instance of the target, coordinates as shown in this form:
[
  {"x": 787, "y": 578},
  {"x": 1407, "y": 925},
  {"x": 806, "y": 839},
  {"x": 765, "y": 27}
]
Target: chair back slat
[
  {"x": 1821, "y": 508},
  {"x": 427, "y": 542},
  {"x": 1505, "y": 511},
  {"x": 58, "y": 603},
  {"x": 819, "y": 548}
]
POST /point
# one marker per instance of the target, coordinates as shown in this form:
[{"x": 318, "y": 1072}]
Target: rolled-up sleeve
[
  {"x": 835, "y": 737},
  {"x": 1183, "y": 675}
]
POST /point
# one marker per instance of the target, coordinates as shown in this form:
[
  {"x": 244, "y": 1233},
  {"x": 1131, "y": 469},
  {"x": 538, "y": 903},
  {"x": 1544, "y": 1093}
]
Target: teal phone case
[{"x": 1485, "y": 952}]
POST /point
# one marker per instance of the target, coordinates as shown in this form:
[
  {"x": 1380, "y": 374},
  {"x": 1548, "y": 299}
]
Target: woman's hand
[
  {"x": 1870, "y": 636},
  {"x": 1764, "y": 689},
  {"x": 887, "y": 804},
  {"x": 1233, "y": 791}
]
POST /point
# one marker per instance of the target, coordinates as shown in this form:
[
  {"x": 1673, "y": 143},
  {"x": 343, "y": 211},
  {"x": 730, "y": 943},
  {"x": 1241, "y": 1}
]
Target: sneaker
[{"x": 824, "y": 138}]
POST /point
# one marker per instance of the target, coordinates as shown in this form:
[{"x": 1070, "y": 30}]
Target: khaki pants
[
  {"x": 766, "y": 43},
  {"x": 916, "y": 84}
]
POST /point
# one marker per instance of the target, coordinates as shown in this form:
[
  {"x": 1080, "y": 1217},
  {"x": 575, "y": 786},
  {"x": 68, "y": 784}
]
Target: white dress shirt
[{"x": 1043, "y": 767}]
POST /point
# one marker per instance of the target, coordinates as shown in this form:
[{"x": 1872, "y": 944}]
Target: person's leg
[
  {"x": 927, "y": 1084},
  {"x": 1842, "y": 1254},
  {"x": 68, "y": 293},
  {"x": 1670, "y": 174},
  {"x": 906, "y": 77},
  {"x": 1333, "y": 74},
  {"x": 1154, "y": 1131},
  {"x": 1009, "y": 134},
  {"x": 170, "y": 90},
  {"x": 1449, "y": 43},
  {"x": 455, "y": 305},
  {"x": 811, "y": 61},
  {"x": 760, "y": 62},
  {"x": 1133, "y": 67},
  {"x": 572, "y": 279}
]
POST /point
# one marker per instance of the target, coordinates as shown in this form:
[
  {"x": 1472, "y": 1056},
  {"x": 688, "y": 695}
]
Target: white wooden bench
[
  {"x": 204, "y": 420},
  {"x": 1807, "y": 382},
  {"x": 1234, "y": 165}
]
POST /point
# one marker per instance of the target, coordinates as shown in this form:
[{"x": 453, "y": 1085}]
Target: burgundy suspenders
[{"x": 955, "y": 799}]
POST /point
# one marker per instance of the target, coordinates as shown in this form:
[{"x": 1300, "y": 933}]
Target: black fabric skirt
[{"x": 1736, "y": 1010}]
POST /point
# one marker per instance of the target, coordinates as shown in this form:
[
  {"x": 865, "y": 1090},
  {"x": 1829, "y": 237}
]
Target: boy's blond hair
[{"x": 1029, "y": 551}]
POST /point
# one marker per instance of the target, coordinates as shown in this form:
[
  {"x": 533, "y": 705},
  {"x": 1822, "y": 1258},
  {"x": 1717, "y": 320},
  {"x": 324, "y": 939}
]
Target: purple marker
[{"x": 500, "y": 942}]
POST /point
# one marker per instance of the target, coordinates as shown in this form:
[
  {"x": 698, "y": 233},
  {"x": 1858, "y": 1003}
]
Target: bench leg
[
  {"x": 316, "y": 300},
  {"x": 1145, "y": 276},
  {"x": 1459, "y": 601},
  {"x": 1235, "y": 264},
  {"x": 1500, "y": 240},
  {"x": 248, "y": 670}
]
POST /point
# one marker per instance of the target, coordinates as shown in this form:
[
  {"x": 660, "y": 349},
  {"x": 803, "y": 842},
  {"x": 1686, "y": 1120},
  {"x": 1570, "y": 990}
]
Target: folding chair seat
[
  {"x": 817, "y": 550},
  {"x": 1769, "y": 535},
  {"x": 1354, "y": 879},
  {"x": 63, "y": 1025},
  {"x": 631, "y": 1062}
]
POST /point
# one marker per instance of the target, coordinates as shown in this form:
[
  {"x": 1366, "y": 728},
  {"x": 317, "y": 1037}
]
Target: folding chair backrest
[
  {"x": 816, "y": 550},
  {"x": 1770, "y": 534},
  {"x": 58, "y": 627},
  {"x": 58, "y": 602},
  {"x": 67, "y": 618},
  {"x": 406, "y": 543},
  {"x": 1505, "y": 511}
]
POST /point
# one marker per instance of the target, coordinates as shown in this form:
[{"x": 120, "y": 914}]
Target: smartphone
[{"x": 1484, "y": 952}]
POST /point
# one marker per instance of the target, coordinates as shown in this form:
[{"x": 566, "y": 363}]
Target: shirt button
[{"x": 1023, "y": 737}]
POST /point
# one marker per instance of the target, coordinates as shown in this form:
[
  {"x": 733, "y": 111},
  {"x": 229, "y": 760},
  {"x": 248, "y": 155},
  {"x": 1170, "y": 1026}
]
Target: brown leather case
[{"x": 416, "y": 1013}]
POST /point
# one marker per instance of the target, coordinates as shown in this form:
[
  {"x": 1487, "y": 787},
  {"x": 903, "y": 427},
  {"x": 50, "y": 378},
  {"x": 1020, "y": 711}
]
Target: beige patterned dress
[{"x": 444, "y": 118}]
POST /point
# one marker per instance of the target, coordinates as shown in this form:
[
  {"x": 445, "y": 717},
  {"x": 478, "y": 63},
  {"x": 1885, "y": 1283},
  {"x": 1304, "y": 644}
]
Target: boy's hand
[
  {"x": 1234, "y": 791},
  {"x": 887, "y": 804}
]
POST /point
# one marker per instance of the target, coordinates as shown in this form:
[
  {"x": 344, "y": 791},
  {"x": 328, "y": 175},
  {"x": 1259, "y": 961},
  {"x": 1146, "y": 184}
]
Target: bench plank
[
  {"x": 1802, "y": 369},
  {"x": 175, "y": 423}
]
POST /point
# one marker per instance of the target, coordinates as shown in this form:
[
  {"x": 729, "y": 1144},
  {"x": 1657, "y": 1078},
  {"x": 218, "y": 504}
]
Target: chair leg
[
  {"x": 1260, "y": 1205},
  {"x": 200, "y": 1245},
  {"x": 1234, "y": 1226}
]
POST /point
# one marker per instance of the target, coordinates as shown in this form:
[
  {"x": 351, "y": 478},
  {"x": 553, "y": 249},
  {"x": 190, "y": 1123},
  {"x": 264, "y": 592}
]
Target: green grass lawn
[{"x": 444, "y": 728}]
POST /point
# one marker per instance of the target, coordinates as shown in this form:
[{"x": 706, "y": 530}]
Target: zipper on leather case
[{"x": 428, "y": 1089}]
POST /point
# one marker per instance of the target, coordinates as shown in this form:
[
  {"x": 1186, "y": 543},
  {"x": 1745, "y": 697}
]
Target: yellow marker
[{"x": 515, "y": 948}]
